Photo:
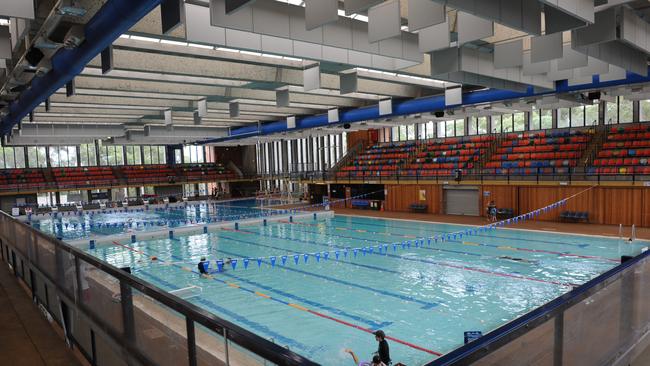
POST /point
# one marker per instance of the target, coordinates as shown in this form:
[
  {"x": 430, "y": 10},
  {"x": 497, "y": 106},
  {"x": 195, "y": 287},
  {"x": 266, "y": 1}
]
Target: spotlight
[
  {"x": 346, "y": 126},
  {"x": 439, "y": 114}
]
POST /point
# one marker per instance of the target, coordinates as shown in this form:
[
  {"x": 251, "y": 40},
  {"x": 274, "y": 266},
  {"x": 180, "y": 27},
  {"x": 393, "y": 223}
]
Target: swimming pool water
[
  {"x": 114, "y": 221},
  {"x": 425, "y": 298}
]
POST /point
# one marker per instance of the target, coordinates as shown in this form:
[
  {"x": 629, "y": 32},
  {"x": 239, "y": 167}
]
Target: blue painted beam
[
  {"x": 113, "y": 19},
  {"x": 420, "y": 105}
]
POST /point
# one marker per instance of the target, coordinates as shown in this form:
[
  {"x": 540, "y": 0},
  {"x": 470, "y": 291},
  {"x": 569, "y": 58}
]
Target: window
[
  {"x": 546, "y": 120},
  {"x": 644, "y": 111},
  {"x": 519, "y": 121},
  {"x": 133, "y": 156},
  {"x": 192, "y": 154},
  {"x": 12, "y": 157},
  {"x": 506, "y": 123},
  {"x": 450, "y": 127},
  {"x": 496, "y": 124},
  {"x": 482, "y": 127},
  {"x": 36, "y": 157},
  {"x": 431, "y": 129},
  {"x": 402, "y": 133},
  {"x": 563, "y": 117},
  {"x": 460, "y": 127},
  {"x": 591, "y": 115},
  {"x": 111, "y": 155},
  {"x": 578, "y": 116},
  {"x": 624, "y": 110},
  {"x": 410, "y": 132},
  {"x": 534, "y": 123},
  {"x": 87, "y": 155},
  {"x": 19, "y": 156},
  {"x": 619, "y": 111}
]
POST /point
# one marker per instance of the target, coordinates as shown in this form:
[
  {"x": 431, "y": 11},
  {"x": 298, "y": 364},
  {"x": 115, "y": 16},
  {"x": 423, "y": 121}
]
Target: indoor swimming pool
[
  {"x": 306, "y": 285},
  {"x": 111, "y": 221}
]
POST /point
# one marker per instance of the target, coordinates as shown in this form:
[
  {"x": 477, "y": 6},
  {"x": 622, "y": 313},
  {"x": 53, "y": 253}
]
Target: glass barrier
[
  {"x": 160, "y": 332},
  {"x": 117, "y": 319},
  {"x": 598, "y": 323}
]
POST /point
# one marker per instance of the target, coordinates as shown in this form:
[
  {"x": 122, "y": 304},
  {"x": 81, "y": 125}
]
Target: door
[{"x": 461, "y": 201}]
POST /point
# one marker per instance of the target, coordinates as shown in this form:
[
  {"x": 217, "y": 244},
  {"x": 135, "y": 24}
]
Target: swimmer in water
[
  {"x": 203, "y": 267},
  {"x": 515, "y": 259}
]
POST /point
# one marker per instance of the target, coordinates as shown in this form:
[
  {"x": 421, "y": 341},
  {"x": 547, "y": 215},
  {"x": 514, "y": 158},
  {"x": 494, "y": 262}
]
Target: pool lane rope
[
  {"x": 358, "y": 252},
  {"x": 293, "y": 305},
  {"x": 125, "y": 225}
]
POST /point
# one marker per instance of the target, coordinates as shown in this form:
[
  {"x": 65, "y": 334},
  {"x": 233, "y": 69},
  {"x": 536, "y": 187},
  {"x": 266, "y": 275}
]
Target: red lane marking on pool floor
[
  {"x": 129, "y": 248},
  {"x": 371, "y": 331}
]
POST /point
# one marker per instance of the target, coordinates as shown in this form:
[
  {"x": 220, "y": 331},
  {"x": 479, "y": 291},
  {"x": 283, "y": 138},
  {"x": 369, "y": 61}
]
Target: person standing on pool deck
[
  {"x": 382, "y": 350},
  {"x": 492, "y": 211}
]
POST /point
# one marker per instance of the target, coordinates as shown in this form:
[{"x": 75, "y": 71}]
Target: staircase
[
  {"x": 594, "y": 146},
  {"x": 487, "y": 156},
  {"x": 347, "y": 158},
  {"x": 119, "y": 175},
  {"x": 48, "y": 176}
]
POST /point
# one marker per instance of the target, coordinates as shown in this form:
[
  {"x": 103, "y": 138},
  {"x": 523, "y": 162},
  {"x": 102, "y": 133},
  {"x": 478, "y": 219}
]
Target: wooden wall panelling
[
  {"x": 619, "y": 205},
  {"x": 645, "y": 212},
  {"x": 400, "y": 197},
  {"x": 503, "y": 196}
]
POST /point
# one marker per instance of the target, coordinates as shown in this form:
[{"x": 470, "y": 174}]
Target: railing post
[
  {"x": 191, "y": 341},
  {"x": 225, "y": 341},
  {"x": 558, "y": 342},
  {"x": 127, "y": 313}
]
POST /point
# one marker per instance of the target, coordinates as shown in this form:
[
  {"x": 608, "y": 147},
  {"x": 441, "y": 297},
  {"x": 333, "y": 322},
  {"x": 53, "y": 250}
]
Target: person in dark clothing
[
  {"x": 382, "y": 350},
  {"x": 202, "y": 267}
]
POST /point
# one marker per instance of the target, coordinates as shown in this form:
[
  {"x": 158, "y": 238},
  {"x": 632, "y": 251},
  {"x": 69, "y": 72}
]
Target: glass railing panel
[
  {"x": 519, "y": 350},
  {"x": 100, "y": 295},
  {"x": 210, "y": 346},
  {"x": 67, "y": 278},
  {"x": 592, "y": 327},
  {"x": 81, "y": 333},
  {"x": 45, "y": 253},
  {"x": 160, "y": 332},
  {"x": 106, "y": 355}
]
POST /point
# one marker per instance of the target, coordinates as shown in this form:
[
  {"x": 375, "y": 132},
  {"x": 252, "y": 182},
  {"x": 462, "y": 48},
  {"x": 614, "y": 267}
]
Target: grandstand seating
[
  {"x": 437, "y": 157},
  {"x": 147, "y": 173},
  {"x": 625, "y": 151},
  {"x": 82, "y": 177},
  {"x": 22, "y": 178},
  {"x": 441, "y": 157},
  {"x": 542, "y": 152}
]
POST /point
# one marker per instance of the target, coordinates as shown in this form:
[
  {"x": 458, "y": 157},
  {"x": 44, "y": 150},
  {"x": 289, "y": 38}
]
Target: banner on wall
[{"x": 423, "y": 195}]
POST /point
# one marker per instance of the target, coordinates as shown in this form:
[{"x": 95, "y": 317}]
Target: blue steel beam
[
  {"x": 113, "y": 19},
  {"x": 420, "y": 105}
]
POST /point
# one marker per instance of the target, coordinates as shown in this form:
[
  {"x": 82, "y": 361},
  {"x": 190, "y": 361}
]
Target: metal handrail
[{"x": 244, "y": 338}]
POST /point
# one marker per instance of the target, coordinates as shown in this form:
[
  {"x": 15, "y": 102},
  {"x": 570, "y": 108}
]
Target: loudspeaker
[
  {"x": 439, "y": 114},
  {"x": 346, "y": 126},
  {"x": 34, "y": 56},
  {"x": 593, "y": 95}
]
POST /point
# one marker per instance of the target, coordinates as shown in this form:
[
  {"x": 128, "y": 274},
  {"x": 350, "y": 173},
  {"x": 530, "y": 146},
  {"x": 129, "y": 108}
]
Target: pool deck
[
  {"x": 550, "y": 226},
  {"x": 27, "y": 337}
]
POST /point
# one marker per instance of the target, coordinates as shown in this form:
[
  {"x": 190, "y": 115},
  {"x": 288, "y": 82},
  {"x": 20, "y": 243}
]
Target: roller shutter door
[{"x": 461, "y": 201}]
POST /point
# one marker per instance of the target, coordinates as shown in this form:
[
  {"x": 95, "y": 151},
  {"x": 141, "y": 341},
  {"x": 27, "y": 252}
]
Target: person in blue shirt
[{"x": 203, "y": 267}]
